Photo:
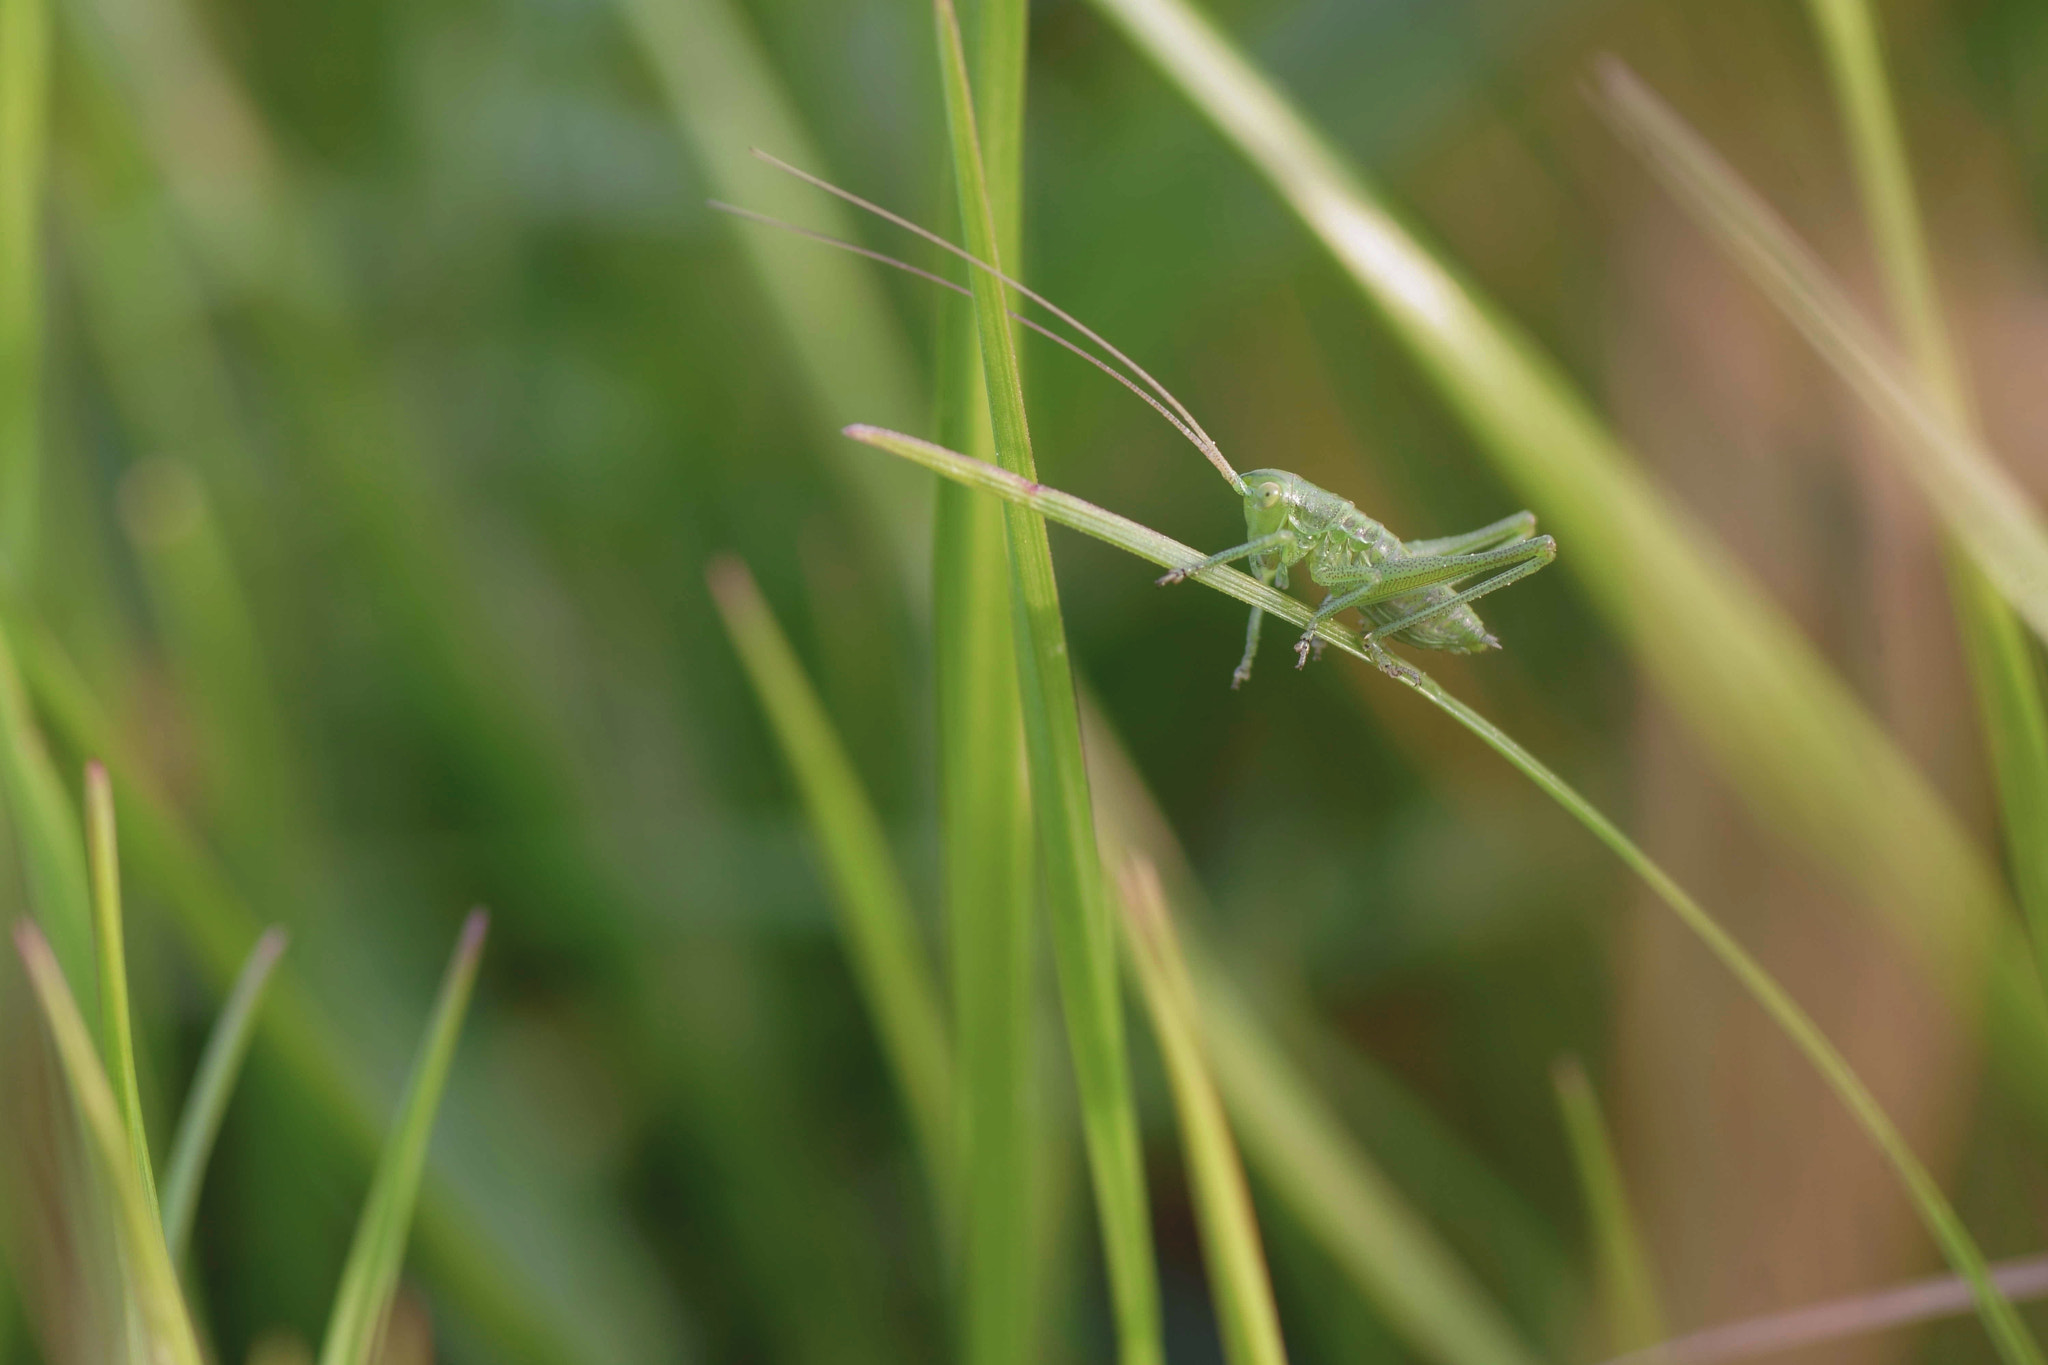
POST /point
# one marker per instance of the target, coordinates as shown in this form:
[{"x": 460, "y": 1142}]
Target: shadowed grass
[
  {"x": 1247, "y": 1320},
  {"x": 1084, "y": 942},
  {"x": 877, "y": 923},
  {"x": 1627, "y": 1288},
  {"x": 214, "y": 1081},
  {"x": 370, "y": 1276},
  {"x": 2008, "y": 1332},
  {"x": 46, "y": 837}
]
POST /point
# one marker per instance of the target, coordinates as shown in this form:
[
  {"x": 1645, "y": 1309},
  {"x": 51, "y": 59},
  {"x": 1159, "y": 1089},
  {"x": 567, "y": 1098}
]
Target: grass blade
[
  {"x": 2002, "y": 666},
  {"x": 1938, "y": 1296},
  {"x": 207, "y": 1103},
  {"x": 1084, "y": 943},
  {"x": 109, "y": 941},
  {"x": 879, "y": 926},
  {"x": 990, "y": 888},
  {"x": 2008, "y": 1332},
  {"x": 48, "y": 837},
  {"x": 24, "y": 115},
  {"x": 146, "y": 1264},
  {"x": 1628, "y": 1295},
  {"x": 1246, "y": 1317},
  {"x": 370, "y": 1276},
  {"x": 1986, "y": 511},
  {"x": 540, "y": 1313},
  {"x": 1792, "y": 740},
  {"x": 1340, "y": 1195}
]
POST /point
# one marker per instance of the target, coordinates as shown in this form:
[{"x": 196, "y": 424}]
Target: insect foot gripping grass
[{"x": 1419, "y": 592}]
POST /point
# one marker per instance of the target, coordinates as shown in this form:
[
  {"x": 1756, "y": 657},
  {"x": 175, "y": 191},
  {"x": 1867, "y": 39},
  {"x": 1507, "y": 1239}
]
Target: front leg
[{"x": 1332, "y": 604}]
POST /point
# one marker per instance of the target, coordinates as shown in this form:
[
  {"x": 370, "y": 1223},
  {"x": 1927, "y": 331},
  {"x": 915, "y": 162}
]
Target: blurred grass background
[{"x": 397, "y": 387}]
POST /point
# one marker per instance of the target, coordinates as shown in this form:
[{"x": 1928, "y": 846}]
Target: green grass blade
[
  {"x": 48, "y": 836},
  {"x": 1084, "y": 943},
  {"x": 497, "y": 1285},
  {"x": 24, "y": 115},
  {"x": 1628, "y": 1295},
  {"x": 2002, "y": 664},
  {"x": 879, "y": 925},
  {"x": 1791, "y": 739},
  {"x": 370, "y": 1276},
  {"x": 152, "y": 1285},
  {"x": 990, "y": 890},
  {"x": 1986, "y": 511},
  {"x": 110, "y": 945},
  {"x": 207, "y": 1103},
  {"x": 2008, "y": 1332},
  {"x": 1239, "y": 1283}
]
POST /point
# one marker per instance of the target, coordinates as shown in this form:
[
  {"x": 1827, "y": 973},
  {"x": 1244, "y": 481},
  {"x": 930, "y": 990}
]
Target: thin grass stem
[
  {"x": 2011, "y": 1336},
  {"x": 1627, "y": 1287}
]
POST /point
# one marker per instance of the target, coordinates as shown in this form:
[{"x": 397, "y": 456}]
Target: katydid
[{"x": 1406, "y": 590}]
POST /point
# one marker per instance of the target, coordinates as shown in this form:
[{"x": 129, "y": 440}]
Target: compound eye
[{"x": 1269, "y": 495}]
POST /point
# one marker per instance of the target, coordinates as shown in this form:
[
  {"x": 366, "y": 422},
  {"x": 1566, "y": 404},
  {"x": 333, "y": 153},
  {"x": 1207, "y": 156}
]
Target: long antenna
[
  {"x": 1118, "y": 375},
  {"x": 1203, "y": 441}
]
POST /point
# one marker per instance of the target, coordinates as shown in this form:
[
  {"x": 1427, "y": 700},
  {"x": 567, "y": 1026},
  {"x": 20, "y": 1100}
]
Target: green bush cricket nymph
[{"x": 1406, "y": 590}]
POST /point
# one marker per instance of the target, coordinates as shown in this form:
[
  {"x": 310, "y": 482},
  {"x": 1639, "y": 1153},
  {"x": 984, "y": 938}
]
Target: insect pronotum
[{"x": 1407, "y": 590}]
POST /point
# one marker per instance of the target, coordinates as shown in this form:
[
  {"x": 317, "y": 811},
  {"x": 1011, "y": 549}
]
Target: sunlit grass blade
[
  {"x": 1773, "y": 1334},
  {"x": 1984, "y": 508},
  {"x": 207, "y": 1102},
  {"x": 24, "y": 115},
  {"x": 1084, "y": 939},
  {"x": 2008, "y": 1332},
  {"x": 47, "y": 836},
  {"x": 370, "y": 1276},
  {"x": 2002, "y": 662},
  {"x": 879, "y": 925},
  {"x": 1239, "y": 1283},
  {"x": 110, "y": 949},
  {"x": 152, "y": 1285},
  {"x": 1628, "y": 1294},
  {"x": 836, "y": 321},
  {"x": 1791, "y": 739}
]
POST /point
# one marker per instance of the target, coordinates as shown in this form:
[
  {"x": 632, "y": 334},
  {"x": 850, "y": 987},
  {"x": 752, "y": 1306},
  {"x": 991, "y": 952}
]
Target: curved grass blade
[
  {"x": 151, "y": 1283},
  {"x": 219, "y": 1066},
  {"x": 1986, "y": 511},
  {"x": 24, "y": 116},
  {"x": 369, "y": 1278},
  {"x": 1814, "y": 766},
  {"x": 1246, "y": 1317},
  {"x": 2015, "y": 1343},
  {"x": 1084, "y": 939},
  {"x": 877, "y": 920},
  {"x": 1628, "y": 1295},
  {"x": 110, "y": 949}
]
